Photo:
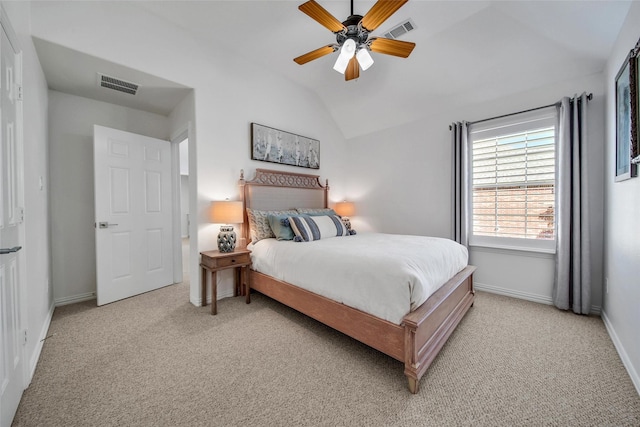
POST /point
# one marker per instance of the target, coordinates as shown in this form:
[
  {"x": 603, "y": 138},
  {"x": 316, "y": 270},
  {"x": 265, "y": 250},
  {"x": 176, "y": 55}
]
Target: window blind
[{"x": 513, "y": 178}]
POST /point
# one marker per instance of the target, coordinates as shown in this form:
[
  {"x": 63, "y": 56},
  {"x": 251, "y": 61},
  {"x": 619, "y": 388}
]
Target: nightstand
[{"x": 213, "y": 261}]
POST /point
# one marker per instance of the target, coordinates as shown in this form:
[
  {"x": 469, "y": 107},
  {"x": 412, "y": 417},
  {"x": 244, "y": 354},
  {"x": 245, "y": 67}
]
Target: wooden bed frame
[{"x": 423, "y": 332}]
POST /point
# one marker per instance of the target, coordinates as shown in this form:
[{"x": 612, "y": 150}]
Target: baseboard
[
  {"x": 626, "y": 361},
  {"x": 542, "y": 299},
  {"x": 198, "y": 301},
  {"x": 33, "y": 361},
  {"x": 74, "y": 299}
]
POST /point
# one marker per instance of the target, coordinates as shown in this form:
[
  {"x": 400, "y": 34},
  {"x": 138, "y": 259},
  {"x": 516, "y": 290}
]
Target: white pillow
[{"x": 309, "y": 228}]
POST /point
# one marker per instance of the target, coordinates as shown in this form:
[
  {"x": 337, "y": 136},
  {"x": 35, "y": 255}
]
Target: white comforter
[{"x": 386, "y": 275}]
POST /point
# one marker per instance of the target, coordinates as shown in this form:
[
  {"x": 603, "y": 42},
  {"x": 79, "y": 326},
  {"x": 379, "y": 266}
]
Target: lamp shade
[
  {"x": 226, "y": 212},
  {"x": 341, "y": 64},
  {"x": 346, "y": 53},
  {"x": 345, "y": 209},
  {"x": 364, "y": 59}
]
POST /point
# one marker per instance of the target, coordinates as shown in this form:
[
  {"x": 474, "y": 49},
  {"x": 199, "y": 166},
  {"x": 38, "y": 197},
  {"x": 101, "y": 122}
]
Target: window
[{"x": 513, "y": 181}]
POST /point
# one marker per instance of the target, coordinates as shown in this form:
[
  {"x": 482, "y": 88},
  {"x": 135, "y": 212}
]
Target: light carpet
[{"x": 156, "y": 360}]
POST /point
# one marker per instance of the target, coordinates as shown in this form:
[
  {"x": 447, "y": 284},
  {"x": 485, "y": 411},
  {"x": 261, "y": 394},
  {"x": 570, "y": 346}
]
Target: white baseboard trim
[
  {"x": 74, "y": 299},
  {"x": 33, "y": 361},
  {"x": 227, "y": 294},
  {"x": 626, "y": 361},
  {"x": 542, "y": 299},
  {"x": 198, "y": 301}
]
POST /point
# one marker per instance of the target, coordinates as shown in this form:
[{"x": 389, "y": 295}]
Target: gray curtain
[
  {"x": 572, "y": 285},
  {"x": 460, "y": 171}
]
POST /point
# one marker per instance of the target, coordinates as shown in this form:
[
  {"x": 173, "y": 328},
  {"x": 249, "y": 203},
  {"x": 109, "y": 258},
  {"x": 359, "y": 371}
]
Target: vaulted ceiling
[{"x": 466, "y": 51}]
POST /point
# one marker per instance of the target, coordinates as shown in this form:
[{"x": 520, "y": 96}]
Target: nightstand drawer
[
  {"x": 233, "y": 260},
  {"x": 214, "y": 260}
]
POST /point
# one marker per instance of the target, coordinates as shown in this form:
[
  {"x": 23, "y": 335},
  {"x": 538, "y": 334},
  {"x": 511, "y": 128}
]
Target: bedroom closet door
[
  {"x": 12, "y": 336},
  {"x": 134, "y": 250}
]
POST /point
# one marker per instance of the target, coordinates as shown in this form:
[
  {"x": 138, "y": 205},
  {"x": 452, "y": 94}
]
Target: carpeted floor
[{"x": 156, "y": 360}]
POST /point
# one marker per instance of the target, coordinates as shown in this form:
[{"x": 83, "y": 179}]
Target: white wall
[
  {"x": 36, "y": 295},
  {"x": 229, "y": 94},
  {"x": 184, "y": 157},
  {"x": 184, "y": 205},
  {"x": 400, "y": 179},
  {"x": 621, "y": 309},
  {"x": 71, "y": 120}
]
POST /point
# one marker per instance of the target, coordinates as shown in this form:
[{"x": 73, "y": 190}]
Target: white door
[
  {"x": 133, "y": 214},
  {"x": 11, "y": 372}
]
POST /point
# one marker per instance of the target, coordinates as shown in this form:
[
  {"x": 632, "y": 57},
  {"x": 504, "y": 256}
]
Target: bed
[{"x": 414, "y": 338}]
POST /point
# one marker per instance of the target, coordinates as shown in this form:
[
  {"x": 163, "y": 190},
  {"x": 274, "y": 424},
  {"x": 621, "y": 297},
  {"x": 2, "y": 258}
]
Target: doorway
[{"x": 185, "y": 216}]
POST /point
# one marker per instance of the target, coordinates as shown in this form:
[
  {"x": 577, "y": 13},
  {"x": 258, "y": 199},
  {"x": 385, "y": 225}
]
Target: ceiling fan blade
[
  {"x": 380, "y": 12},
  {"x": 320, "y": 14},
  {"x": 392, "y": 47},
  {"x": 353, "y": 70},
  {"x": 315, "y": 54}
]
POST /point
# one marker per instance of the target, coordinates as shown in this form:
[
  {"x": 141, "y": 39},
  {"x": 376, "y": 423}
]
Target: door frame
[
  {"x": 183, "y": 132},
  {"x": 22, "y": 262}
]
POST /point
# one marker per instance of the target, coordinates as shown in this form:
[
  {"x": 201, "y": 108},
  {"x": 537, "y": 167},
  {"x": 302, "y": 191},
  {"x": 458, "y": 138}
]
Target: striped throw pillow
[{"x": 309, "y": 228}]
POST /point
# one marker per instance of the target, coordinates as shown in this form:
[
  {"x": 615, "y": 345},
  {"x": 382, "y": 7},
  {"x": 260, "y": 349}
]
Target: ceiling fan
[{"x": 353, "y": 37}]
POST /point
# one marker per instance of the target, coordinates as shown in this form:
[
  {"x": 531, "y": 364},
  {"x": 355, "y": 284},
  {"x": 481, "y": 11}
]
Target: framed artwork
[
  {"x": 624, "y": 119},
  {"x": 277, "y": 146},
  {"x": 635, "y": 106}
]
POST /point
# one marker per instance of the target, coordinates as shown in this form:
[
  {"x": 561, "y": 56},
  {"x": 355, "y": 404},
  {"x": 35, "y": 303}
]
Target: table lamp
[
  {"x": 226, "y": 212},
  {"x": 345, "y": 210}
]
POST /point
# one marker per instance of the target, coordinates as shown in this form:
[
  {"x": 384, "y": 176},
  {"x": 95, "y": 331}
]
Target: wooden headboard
[{"x": 277, "y": 190}]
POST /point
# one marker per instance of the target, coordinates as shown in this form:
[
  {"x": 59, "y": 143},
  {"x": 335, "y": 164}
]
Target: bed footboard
[
  {"x": 416, "y": 342},
  {"x": 428, "y": 328}
]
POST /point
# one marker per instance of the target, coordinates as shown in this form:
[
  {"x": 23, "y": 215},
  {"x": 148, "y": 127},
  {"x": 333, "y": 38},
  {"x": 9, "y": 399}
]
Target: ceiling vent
[
  {"x": 117, "y": 84},
  {"x": 400, "y": 29}
]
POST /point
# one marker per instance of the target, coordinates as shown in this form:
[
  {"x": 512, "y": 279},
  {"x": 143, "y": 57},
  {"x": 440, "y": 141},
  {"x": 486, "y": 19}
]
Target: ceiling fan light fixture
[
  {"x": 353, "y": 37},
  {"x": 346, "y": 53},
  {"x": 364, "y": 59}
]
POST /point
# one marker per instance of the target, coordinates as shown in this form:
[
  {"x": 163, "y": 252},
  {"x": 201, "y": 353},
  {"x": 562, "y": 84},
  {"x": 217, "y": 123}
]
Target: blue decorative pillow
[
  {"x": 309, "y": 228},
  {"x": 280, "y": 226}
]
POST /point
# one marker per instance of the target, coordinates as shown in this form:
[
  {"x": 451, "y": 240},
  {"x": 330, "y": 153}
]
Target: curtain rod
[{"x": 589, "y": 98}]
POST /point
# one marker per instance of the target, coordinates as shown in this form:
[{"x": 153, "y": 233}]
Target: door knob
[{"x": 105, "y": 224}]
